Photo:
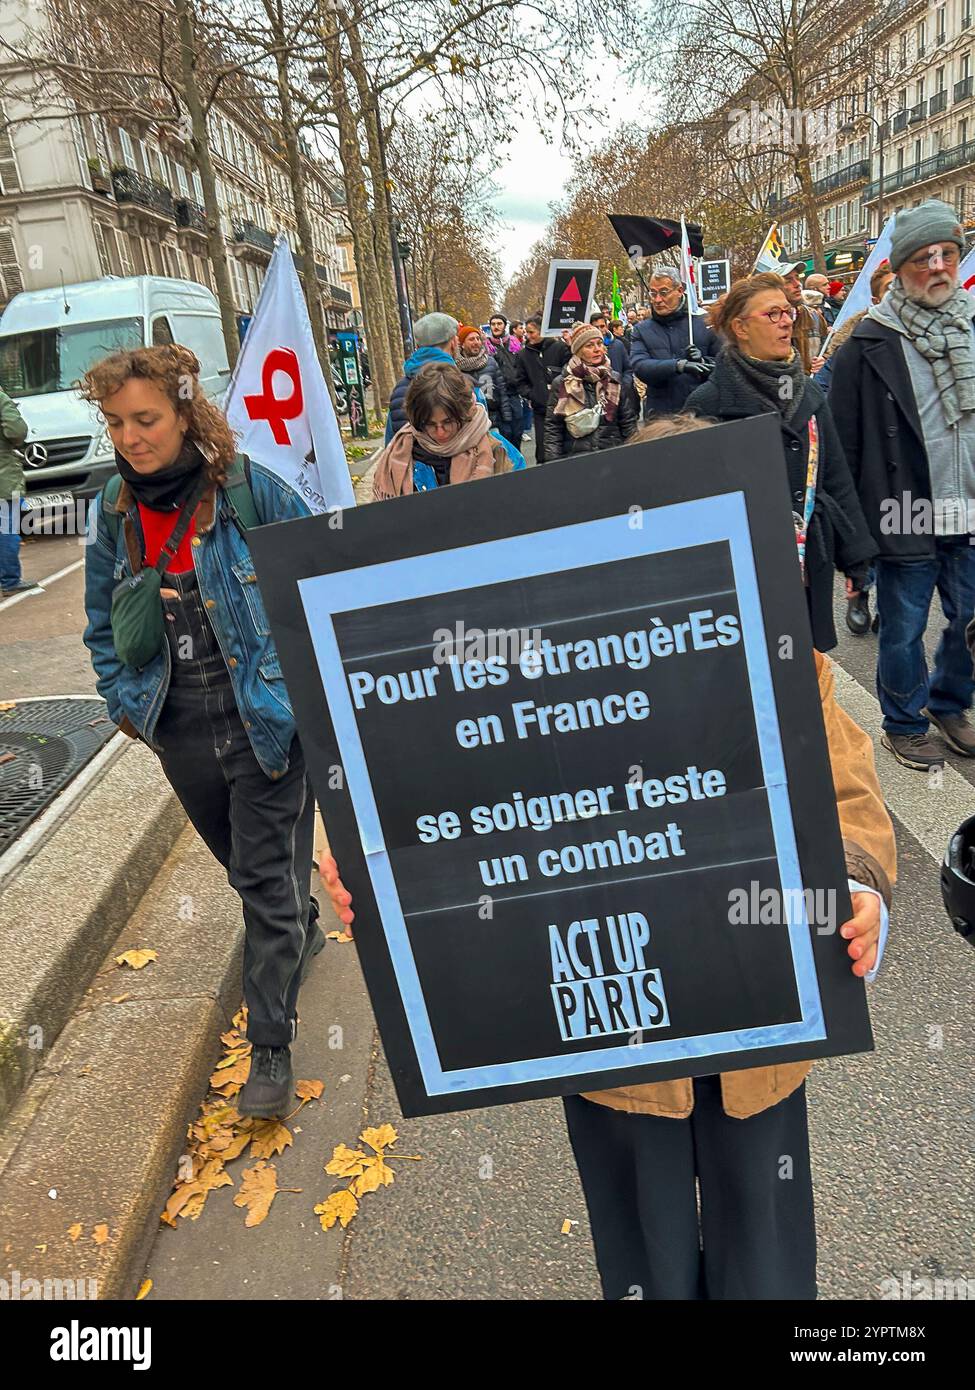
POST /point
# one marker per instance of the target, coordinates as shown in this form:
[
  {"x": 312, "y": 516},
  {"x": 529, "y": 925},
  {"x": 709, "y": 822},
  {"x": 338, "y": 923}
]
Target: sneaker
[
  {"x": 858, "y": 615},
  {"x": 913, "y": 750},
  {"x": 23, "y": 586},
  {"x": 956, "y": 732},
  {"x": 268, "y": 1089}
]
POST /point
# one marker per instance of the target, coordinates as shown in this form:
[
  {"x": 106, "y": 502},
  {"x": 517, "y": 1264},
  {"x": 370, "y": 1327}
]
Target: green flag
[{"x": 617, "y": 297}]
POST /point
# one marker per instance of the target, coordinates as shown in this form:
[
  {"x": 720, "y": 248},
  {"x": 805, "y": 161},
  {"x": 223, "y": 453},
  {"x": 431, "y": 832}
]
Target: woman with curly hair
[{"x": 182, "y": 651}]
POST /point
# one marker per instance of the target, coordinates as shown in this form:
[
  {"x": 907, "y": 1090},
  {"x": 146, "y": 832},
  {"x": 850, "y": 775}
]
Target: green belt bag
[{"x": 138, "y": 622}]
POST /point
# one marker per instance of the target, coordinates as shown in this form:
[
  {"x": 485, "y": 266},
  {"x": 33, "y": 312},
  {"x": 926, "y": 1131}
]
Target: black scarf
[
  {"x": 166, "y": 490},
  {"x": 766, "y": 379},
  {"x": 667, "y": 319}
]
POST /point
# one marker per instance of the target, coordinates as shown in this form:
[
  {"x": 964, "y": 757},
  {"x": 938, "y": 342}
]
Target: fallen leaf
[
  {"x": 7, "y": 757},
  {"x": 100, "y": 1234},
  {"x": 231, "y": 1076},
  {"x": 85, "y": 1071},
  {"x": 269, "y": 1137},
  {"x": 144, "y": 1288},
  {"x": 165, "y": 1217},
  {"x": 377, "y": 1174},
  {"x": 8, "y": 704},
  {"x": 258, "y": 1189},
  {"x": 137, "y": 959},
  {"x": 42, "y": 1248},
  {"x": 380, "y": 1138},
  {"x": 341, "y": 1206},
  {"x": 189, "y": 1199},
  {"x": 345, "y": 1162},
  {"x": 75, "y": 1231},
  {"x": 121, "y": 998},
  {"x": 566, "y": 1228},
  {"x": 309, "y": 1090},
  {"x": 232, "y": 1057}
]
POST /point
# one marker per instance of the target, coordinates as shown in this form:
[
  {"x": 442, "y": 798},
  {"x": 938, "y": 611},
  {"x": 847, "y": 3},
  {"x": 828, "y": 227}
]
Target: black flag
[{"x": 645, "y": 236}]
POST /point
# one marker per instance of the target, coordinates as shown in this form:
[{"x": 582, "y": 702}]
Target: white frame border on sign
[
  {"x": 553, "y": 268},
  {"x": 718, "y": 260}
]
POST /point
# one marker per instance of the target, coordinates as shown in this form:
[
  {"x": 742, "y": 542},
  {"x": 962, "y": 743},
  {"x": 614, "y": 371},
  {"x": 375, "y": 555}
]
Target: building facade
[
  {"x": 88, "y": 195},
  {"x": 895, "y": 136}
]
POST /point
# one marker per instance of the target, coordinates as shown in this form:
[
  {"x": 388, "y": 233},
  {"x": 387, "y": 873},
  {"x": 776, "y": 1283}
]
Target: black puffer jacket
[
  {"x": 838, "y": 534},
  {"x": 537, "y": 366},
  {"x": 559, "y": 443}
]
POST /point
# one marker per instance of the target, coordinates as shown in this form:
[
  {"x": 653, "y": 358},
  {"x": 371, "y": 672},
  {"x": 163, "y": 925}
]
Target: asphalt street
[{"x": 482, "y": 1213}]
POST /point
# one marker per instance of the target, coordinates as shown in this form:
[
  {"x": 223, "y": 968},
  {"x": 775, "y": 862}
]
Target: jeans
[
  {"x": 259, "y": 828},
  {"x": 755, "y": 1234},
  {"x": 904, "y": 593},
  {"x": 10, "y": 572},
  {"x": 526, "y": 418}
]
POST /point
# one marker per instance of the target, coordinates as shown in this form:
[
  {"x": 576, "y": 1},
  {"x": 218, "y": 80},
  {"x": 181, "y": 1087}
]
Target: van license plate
[{"x": 40, "y": 501}]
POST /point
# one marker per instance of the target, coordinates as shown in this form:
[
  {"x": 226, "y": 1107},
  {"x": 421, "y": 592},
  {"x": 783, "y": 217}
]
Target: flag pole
[{"x": 685, "y": 255}]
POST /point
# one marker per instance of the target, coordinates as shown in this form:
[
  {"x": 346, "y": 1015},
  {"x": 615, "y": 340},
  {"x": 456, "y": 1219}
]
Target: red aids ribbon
[{"x": 276, "y": 409}]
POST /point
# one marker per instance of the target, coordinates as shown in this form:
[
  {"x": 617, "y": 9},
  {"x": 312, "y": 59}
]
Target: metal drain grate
[{"x": 43, "y": 744}]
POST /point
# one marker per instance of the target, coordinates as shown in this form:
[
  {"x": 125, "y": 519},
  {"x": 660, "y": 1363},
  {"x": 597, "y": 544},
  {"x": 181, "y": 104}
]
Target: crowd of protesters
[{"x": 876, "y": 414}]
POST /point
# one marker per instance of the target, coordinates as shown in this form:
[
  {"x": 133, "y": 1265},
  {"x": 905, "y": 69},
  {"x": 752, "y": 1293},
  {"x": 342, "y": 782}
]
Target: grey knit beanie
[
  {"x": 434, "y": 329},
  {"x": 932, "y": 222}
]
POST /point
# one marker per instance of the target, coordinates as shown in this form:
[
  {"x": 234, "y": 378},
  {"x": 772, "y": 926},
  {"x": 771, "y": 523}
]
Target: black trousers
[
  {"x": 539, "y": 421},
  {"x": 261, "y": 831},
  {"x": 754, "y": 1236}
]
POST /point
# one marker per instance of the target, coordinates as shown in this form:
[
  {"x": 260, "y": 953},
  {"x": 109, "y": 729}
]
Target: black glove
[
  {"x": 858, "y": 576},
  {"x": 700, "y": 371},
  {"x": 693, "y": 354}
]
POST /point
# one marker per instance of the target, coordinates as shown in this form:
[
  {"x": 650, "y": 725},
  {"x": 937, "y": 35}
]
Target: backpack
[{"x": 243, "y": 509}]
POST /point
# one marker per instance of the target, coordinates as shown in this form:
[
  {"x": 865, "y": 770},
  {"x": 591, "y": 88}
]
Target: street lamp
[{"x": 848, "y": 128}]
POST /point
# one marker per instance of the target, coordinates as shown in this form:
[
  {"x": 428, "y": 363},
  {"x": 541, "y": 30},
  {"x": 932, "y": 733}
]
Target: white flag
[
  {"x": 278, "y": 404},
  {"x": 859, "y": 296},
  {"x": 687, "y": 269},
  {"x": 966, "y": 271}
]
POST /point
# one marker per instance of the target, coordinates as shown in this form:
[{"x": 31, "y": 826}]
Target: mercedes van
[{"x": 49, "y": 338}]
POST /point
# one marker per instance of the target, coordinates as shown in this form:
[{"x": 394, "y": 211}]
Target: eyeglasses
[
  {"x": 664, "y": 294},
  {"x": 950, "y": 258},
  {"x": 774, "y": 315}
]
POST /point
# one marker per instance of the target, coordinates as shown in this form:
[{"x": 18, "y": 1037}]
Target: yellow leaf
[
  {"x": 75, "y": 1231},
  {"x": 258, "y": 1189},
  {"x": 380, "y": 1138},
  {"x": 232, "y": 1057},
  {"x": 232, "y": 1150},
  {"x": 269, "y": 1137},
  {"x": 42, "y": 1248},
  {"x": 341, "y": 1206},
  {"x": 309, "y": 1090},
  {"x": 121, "y": 998},
  {"x": 377, "y": 1174},
  {"x": 137, "y": 959},
  {"x": 566, "y": 1227},
  {"x": 144, "y": 1288},
  {"x": 100, "y": 1234},
  {"x": 345, "y": 1162},
  {"x": 231, "y": 1076},
  {"x": 8, "y": 704}
]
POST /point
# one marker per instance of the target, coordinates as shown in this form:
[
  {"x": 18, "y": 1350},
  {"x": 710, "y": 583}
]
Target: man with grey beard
[{"x": 903, "y": 398}]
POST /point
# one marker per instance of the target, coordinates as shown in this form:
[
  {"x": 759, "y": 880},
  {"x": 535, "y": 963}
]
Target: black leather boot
[
  {"x": 268, "y": 1089},
  {"x": 858, "y": 615}
]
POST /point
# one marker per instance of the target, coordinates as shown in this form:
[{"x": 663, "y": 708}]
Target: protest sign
[
  {"x": 571, "y": 286},
  {"x": 575, "y": 777},
  {"x": 715, "y": 280}
]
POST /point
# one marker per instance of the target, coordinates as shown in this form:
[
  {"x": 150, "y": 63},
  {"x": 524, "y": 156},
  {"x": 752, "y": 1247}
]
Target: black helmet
[{"x": 958, "y": 880}]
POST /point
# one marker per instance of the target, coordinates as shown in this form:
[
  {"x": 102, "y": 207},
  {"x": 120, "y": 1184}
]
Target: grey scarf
[
  {"x": 782, "y": 384},
  {"x": 943, "y": 337}
]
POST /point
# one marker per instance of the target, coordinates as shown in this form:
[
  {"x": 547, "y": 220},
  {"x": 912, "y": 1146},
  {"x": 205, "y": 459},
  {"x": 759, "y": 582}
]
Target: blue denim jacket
[{"x": 228, "y": 586}]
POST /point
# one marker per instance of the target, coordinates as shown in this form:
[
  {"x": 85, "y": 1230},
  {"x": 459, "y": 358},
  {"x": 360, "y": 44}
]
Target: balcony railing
[
  {"x": 957, "y": 157},
  {"x": 899, "y": 122},
  {"x": 937, "y": 103},
  {"x": 191, "y": 216},
  {"x": 337, "y": 293},
  {"x": 131, "y": 187},
  {"x": 916, "y": 113},
  {"x": 853, "y": 173},
  {"x": 963, "y": 89},
  {"x": 249, "y": 234}
]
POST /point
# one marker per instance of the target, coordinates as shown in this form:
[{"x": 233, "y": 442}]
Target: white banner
[
  {"x": 278, "y": 403},
  {"x": 966, "y": 271},
  {"x": 859, "y": 296}
]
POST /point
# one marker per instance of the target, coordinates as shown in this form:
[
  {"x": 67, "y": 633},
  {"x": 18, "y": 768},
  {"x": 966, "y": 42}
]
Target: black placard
[
  {"x": 715, "y": 280},
  {"x": 569, "y": 294},
  {"x": 565, "y": 730}
]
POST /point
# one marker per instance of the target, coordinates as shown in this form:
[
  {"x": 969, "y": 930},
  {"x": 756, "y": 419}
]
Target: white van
[{"x": 49, "y": 338}]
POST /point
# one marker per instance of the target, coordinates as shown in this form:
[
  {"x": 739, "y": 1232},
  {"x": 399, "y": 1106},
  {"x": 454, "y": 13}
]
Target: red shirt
[{"x": 157, "y": 527}]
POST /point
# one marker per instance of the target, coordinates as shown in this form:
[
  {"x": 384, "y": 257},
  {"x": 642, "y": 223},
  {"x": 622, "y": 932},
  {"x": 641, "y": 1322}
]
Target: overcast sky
[{"x": 536, "y": 173}]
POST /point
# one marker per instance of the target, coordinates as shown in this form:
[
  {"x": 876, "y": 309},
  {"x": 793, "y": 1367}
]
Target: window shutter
[{"x": 9, "y": 173}]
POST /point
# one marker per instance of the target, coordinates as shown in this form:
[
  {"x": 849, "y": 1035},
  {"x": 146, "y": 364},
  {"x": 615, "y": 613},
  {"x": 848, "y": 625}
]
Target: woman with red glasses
[{"x": 757, "y": 372}]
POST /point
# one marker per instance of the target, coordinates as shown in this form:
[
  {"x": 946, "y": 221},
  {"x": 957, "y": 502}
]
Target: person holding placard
[{"x": 760, "y": 371}]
